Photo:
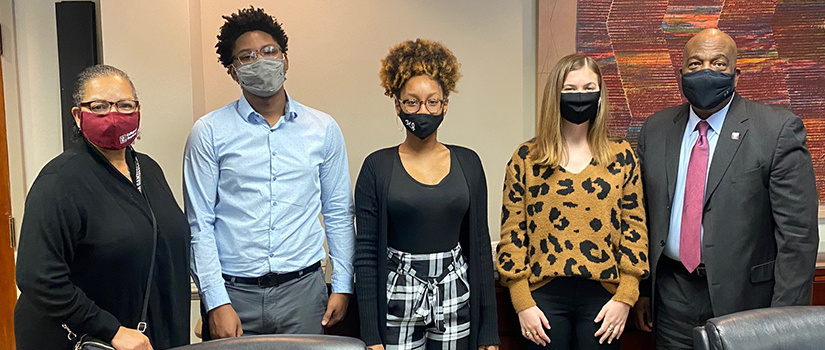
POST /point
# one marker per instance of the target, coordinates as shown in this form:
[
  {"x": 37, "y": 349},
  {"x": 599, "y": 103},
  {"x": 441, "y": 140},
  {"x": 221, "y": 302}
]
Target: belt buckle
[
  {"x": 268, "y": 280},
  {"x": 701, "y": 271}
]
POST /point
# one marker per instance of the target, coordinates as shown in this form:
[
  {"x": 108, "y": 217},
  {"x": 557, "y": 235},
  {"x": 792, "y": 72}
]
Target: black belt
[
  {"x": 273, "y": 279},
  {"x": 677, "y": 265}
]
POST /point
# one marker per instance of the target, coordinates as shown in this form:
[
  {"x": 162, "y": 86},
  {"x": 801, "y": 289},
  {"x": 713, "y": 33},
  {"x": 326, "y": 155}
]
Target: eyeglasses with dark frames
[{"x": 125, "y": 106}]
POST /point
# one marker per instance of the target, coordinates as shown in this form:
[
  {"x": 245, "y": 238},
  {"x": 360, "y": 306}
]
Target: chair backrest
[
  {"x": 281, "y": 342},
  {"x": 790, "y": 327},
  {"x": 700, "y": 338}
]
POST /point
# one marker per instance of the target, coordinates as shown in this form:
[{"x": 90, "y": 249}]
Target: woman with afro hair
[{"x": 424, "y": 274}]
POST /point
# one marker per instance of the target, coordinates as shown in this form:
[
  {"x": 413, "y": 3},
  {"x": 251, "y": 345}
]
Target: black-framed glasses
[
  {"x": 125, "y": 106},
  {"x": 410, "y": 106},
  {"x": 249, "y": 56}
]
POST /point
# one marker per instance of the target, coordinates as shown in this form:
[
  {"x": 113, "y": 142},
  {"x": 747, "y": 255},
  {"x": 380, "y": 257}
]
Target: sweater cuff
[
  {"x": 106, "y": 329},
  {"x": 521, "y": 296},
  {"x": 628, "y": 290},
  {"x": 488, "y": 338},
  {"x": 371, "y": 338}
]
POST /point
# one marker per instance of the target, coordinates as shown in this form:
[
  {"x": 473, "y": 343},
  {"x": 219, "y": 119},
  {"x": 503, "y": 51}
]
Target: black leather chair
[
  {"x": 281, "y": 342},
  {"x": 791, "y": 327}
]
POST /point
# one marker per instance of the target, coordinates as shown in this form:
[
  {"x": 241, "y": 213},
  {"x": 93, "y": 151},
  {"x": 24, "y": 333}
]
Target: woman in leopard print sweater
[{"x": 573, "y": 210}]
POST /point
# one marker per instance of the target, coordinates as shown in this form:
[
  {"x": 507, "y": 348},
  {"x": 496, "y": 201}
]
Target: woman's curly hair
[
  {"x": 420, "y": 57},
  {"x": 247, "y": 20}
]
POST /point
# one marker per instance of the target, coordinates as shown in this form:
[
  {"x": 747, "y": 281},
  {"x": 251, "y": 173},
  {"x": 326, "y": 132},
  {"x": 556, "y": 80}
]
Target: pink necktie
[{"x": 690, "y": 246}]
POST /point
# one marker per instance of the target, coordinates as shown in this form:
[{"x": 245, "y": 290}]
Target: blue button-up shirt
[
  {"x": 253, "y": 194},
  {"x": 689, "y": 138}
]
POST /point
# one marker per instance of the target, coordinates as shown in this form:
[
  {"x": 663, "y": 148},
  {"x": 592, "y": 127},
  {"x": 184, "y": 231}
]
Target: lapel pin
[{"x": 734, "y": 135}]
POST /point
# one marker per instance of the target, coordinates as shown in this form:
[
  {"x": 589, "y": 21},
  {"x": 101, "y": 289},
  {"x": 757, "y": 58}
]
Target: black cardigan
[
  {"x": 85, "y": 248},
  {"x": 371, "y": 246}
]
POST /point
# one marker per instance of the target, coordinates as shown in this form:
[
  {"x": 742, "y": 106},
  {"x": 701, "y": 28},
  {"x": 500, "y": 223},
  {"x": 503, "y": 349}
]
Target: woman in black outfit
[
  {"x": 87, "y": 236},
  {"x": 424, "y": 271}
]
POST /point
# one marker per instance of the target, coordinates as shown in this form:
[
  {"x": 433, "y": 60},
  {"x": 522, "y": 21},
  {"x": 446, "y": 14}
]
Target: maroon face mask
[{"x": 114, "y": 130}]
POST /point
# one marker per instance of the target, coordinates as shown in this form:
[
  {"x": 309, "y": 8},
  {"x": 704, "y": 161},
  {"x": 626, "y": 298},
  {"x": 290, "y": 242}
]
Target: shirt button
[
  {"x": 273, "y": 178},
  {"x": 272, "y": 255},
  {"x": 662, "y": 243},
  {"x": 273, "y": 203}
]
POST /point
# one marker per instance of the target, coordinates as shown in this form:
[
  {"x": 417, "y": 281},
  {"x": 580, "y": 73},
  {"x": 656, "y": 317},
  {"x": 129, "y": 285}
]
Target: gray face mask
[{"x": 262, "y": 78}]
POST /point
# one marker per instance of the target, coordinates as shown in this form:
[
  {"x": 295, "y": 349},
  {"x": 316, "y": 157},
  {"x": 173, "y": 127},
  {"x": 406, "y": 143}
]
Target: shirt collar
[
  {"x": 247, "y": 112},
  {"x": 715, "y": 120}
]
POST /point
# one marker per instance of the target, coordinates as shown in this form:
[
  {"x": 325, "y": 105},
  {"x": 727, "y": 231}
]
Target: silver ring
[
  {"x": 528, "y": 333},
  {"x": 610, "y": 329}
]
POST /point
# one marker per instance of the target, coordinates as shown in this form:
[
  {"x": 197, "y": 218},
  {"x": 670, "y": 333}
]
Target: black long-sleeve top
[
  {"x": 85, "y": 249},
  {"x": 371, "y": 191}
]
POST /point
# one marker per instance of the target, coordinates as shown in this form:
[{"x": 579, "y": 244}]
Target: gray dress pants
[{"x": 294, "y": 307}]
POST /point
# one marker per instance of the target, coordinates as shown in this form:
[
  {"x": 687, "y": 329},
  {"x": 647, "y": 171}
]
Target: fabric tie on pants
[
  {"x": 428, "y": 301},
  {"x": 429, "y": 307},
  {"x": 690, "y": 243}
]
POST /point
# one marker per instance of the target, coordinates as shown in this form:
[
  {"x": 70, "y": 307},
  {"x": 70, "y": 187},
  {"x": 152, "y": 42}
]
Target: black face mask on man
[
  {"x": 421, "y": 125},
  {"x": 707, "y": 88},
  {"x": 579, "y": 107}
]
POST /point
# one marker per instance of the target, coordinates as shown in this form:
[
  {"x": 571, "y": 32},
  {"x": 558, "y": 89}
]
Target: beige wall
[
  {"x": 168, "y": 49},
  {"x": 335, "y": 48},
  {"x": 152, "y": 45}
]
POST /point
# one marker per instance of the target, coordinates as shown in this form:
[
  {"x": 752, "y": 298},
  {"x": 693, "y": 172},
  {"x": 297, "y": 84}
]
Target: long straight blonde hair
[{"x": 550, "y": 148}]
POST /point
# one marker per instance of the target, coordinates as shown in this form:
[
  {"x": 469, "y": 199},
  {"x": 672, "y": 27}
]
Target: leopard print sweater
[{"x": 589, "y": 224}]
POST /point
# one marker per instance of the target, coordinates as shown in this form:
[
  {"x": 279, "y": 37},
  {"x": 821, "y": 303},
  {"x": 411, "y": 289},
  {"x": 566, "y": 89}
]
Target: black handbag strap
[{"x": 141, "y": 326}]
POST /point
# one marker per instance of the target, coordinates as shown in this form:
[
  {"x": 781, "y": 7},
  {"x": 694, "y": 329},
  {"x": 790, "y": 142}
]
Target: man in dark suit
[{"x": 731, "y": 201}]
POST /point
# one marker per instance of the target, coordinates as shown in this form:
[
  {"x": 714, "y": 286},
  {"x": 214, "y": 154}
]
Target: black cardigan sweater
[
  {"x": 371, "y": 246},
  {"x": 85, "y": 249}
]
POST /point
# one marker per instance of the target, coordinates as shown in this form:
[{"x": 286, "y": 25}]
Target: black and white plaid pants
[{"x": 427, "y": 300}]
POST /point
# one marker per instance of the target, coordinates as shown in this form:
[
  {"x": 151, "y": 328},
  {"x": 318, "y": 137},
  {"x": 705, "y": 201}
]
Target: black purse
[{"x": 88, "y": 342}]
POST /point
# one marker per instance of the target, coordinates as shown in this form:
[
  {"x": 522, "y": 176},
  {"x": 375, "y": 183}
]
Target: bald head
[
  {"x": 709, "y": 53},
  {"x": 710, "y": 48}
]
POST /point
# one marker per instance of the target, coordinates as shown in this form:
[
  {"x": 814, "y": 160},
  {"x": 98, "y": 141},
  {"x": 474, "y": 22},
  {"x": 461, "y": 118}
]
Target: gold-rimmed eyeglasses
[{"x": 432, "y": 105}]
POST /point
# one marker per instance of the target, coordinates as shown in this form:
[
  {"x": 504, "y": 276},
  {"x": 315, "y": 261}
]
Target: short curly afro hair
[
  {"x": 247, "y": 20},
  {"x": 420, "y": 57}
]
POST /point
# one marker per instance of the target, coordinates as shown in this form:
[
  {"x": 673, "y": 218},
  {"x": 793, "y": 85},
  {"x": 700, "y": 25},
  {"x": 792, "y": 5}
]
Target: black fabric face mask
[
  {"x": 579, "y": 107},
  {"x": 421, "y": 125},
  {"x": 707, "y": 88}
]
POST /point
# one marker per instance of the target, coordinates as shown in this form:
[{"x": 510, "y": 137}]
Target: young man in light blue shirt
[{"x": 257, "y": 173}]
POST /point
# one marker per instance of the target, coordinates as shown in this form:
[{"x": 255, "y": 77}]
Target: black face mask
[
  {"x": 707, "y": 88},
  {"x": 579, "y": 107},
  {"x": 421, "y": 125}
]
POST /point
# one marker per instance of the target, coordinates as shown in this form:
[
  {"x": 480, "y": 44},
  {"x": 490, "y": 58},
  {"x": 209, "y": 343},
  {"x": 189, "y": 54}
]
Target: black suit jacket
[{"x": 760, "y": 212}]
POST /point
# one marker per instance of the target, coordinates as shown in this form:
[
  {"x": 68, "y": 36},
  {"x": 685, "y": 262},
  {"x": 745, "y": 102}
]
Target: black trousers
[
  {"x": 682, "y": 303},
  {"x": 571, "y": 304}
]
